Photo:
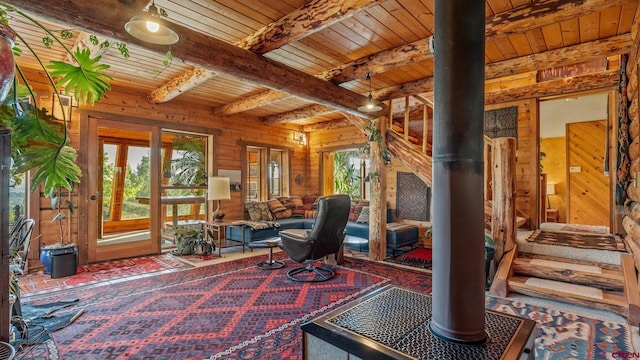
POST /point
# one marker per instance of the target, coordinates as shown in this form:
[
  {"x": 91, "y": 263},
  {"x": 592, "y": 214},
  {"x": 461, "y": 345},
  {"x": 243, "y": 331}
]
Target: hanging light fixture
[
  {"x": 370, "y": 105},
  {"x": 151, "y": 28}
]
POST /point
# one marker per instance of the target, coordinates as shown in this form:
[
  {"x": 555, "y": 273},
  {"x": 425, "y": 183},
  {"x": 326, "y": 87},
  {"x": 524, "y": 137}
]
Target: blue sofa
[{"x": 397, "y": 236}]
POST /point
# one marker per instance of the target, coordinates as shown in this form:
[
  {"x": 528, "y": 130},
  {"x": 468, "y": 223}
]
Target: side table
[
  {"x": 218, "y": 228},
  {"x": 553, "y": 215}
]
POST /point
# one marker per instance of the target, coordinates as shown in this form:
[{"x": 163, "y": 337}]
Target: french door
[{"x": 122, "y": 178}]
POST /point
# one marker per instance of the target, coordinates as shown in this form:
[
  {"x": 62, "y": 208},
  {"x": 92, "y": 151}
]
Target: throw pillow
[
  {"x": 283, "y": 214},
  {"x": 258, "y": 211},
  {"x": 364, "y": 215},
  {"x": 309, "y": 199},
  {"x": 296, "y": 200},
  {"x": 275, "y": 206}
]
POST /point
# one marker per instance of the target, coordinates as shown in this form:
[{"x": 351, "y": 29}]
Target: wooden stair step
[
  {"x": 614, "y": 301},
  {"x": 570, "y": 272}
]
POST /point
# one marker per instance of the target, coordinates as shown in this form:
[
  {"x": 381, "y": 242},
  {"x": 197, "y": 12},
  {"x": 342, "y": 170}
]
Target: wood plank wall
[
  {"x": 631, "y": 220},
  {"x": 233, "y": 131}
]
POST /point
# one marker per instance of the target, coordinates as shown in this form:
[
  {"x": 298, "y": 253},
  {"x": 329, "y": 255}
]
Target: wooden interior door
[{"x": 588, "y": 189}]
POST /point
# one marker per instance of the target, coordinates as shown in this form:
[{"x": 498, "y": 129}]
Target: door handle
[{"x": 95, "y": 197}]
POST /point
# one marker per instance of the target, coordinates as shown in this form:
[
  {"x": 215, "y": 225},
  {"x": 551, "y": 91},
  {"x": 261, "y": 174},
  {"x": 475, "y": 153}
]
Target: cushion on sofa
[
  {"x": 275, "y": 205},
  {"x": 258, "y": 211}
]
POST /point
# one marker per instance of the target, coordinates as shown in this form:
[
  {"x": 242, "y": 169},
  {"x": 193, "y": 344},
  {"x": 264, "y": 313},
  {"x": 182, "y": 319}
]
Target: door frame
[{"x": 130, "y": 249}]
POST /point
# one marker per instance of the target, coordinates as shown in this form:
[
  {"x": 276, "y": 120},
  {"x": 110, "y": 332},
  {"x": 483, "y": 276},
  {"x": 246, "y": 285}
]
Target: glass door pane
[
  {"x": 183, "y": 183},
  {"x": 120, "y": 224}
]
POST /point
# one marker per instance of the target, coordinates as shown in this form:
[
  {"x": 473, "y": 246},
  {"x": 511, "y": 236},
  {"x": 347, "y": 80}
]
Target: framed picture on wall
[{"x": 235, "y": 181}]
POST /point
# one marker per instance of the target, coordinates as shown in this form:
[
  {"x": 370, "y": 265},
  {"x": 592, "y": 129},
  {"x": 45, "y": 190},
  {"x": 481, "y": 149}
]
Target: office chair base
[
  {"x": 323, "y": 274},
  {"x": 270, "y": 264}
]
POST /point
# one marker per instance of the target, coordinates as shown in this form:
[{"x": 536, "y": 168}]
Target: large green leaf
[
  {"x": 87, "y": 80},
  {"x": 56, "y": 167}
]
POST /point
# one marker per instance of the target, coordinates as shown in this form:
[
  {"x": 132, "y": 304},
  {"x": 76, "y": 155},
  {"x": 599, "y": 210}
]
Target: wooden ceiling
[{"x": 305, "y": 61}]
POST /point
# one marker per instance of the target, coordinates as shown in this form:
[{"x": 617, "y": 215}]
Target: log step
[
  {"x": 570, "y": 272},
  {"x": 614, "y": 301}
]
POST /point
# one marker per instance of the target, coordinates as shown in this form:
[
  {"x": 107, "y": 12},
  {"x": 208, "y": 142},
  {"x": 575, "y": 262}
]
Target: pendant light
[
  {"x": 370, "y": 105},
  {"x": 150, "y": 27}
]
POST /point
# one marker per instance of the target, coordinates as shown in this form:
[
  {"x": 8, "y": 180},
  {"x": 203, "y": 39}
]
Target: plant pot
[
  {"x": 202, "y": 249},
  {"x": 7, "y": 62},
  {"x": 47, "y": 254}
]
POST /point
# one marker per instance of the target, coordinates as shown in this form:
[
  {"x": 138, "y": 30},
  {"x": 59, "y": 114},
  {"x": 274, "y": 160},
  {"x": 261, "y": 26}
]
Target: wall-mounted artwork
[
  {"x": 235, "y": 180},
  {"x": 413, "y": 199},
  {"x": 501, "y": 122}
]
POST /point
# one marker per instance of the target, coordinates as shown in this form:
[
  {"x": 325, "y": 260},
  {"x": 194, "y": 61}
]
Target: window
[
  {"x": 18, "y": 196},
  {"x": 350, "y": 174},
  {"x": 266, "y": 172}
]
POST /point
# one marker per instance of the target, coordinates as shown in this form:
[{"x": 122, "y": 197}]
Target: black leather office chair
[{"x": 326, "y": 237}]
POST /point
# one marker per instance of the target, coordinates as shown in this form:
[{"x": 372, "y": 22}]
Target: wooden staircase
[{"x": 596, "y": 285}]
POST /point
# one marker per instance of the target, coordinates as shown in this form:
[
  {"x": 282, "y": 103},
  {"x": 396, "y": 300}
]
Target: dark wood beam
[{"x": 194, "y": 48}]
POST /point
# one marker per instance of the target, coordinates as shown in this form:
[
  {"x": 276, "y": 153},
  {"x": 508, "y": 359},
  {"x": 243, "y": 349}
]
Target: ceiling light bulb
[
  {"x": 152, "y": 26},
  {"x": 370, "y": 106}
]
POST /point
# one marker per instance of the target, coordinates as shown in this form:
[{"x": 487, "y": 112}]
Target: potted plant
[
  {"x": 186, "y": 238},
  {"x": 61, "y": 247}
]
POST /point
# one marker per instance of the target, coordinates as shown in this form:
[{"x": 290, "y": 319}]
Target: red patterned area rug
[
  {"x": 235, "y": 311},
  {"x": 39, "y": 283},
  {"x": 225, "y": 311},
  {"x": 420, "y": 258}
]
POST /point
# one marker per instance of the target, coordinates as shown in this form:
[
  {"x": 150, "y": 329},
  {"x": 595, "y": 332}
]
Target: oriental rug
[
  {"x": 421, "y": 258},
  {"x": 582, "y": 240},
  {"x": 236, "y": 311},
  {"x": 39, "y": 283}
]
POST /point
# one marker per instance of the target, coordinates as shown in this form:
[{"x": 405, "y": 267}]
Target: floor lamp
[
  {"x": 551, "y": 190},
  {"x": 218, "y": 189}
]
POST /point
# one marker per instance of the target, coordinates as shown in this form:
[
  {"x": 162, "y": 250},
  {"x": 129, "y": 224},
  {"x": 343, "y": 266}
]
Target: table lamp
[
  {"x": 218, "y": 189},
  {"x": 551, "y": 190}
]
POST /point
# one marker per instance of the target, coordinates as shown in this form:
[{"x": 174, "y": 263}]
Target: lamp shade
[
  {"x": 138, "y": 27},
  {"x": 218, "y": 188},
  {"x": 149, "y": 27},
  {"x": 551, "y": 189}
]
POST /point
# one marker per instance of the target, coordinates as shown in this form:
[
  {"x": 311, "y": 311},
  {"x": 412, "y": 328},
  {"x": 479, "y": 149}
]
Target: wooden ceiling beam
[
  {"x": 195, "y": 48},
  {"x": 601, "y": 80},
  {"x": 591, "y": 50},
  {"x": 298, "y": 114},
  {"x": 310, "y": 18},
  {"x": 259, "y": 99},
  {"x": 327, "y": 125},
  {"x": 181, "y": 83},
  {"x": 542, "y": 13}
]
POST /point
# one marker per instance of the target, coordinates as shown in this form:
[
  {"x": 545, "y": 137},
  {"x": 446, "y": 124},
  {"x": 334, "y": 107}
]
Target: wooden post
[
  {"x": 503, "y": 165},
  {"x": 378, "y": 203}
]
